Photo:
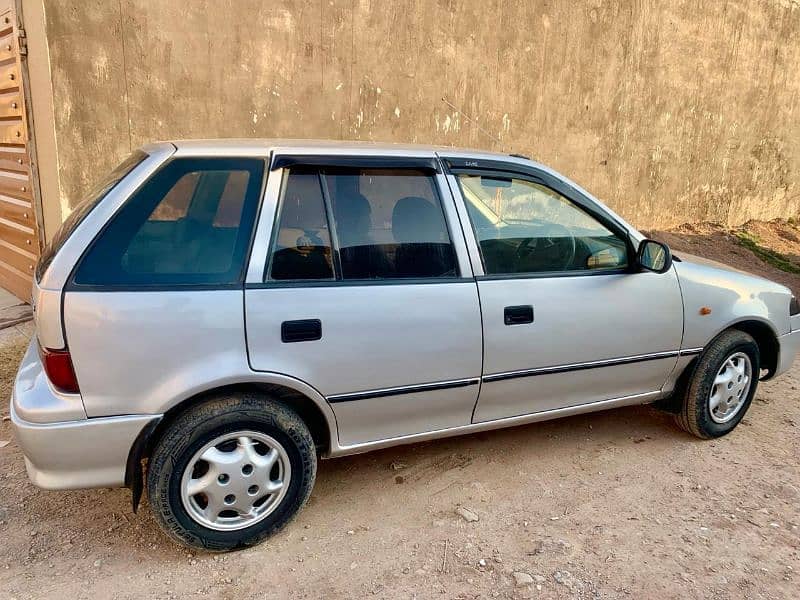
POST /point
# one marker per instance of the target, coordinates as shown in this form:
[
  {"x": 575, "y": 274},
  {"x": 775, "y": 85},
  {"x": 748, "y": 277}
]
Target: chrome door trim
[
  {"x": 690, "y": 351},
  {"x": 595, "y": 364},
  {"x": 454, "y": 383},
  {"x": 404, "y": 389},
  {"x": 644, "y": 398}
]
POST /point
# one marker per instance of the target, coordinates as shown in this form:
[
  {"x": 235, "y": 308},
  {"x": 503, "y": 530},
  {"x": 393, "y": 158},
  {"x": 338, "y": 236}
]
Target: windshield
[{"x": 80, "y": 212}]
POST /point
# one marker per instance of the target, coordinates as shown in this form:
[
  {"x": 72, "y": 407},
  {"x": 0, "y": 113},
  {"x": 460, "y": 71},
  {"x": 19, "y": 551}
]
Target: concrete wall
[{"x": 670, "y": 111}]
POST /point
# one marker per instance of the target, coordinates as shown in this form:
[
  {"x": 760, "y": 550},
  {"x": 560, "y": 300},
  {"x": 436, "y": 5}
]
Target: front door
[
  {"x": 566, "y": 319},
  {"x": 366, "y": 294}
]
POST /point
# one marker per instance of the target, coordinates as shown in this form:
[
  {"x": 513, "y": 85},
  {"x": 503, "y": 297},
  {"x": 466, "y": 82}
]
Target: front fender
[{"x": 716, "y": 299}]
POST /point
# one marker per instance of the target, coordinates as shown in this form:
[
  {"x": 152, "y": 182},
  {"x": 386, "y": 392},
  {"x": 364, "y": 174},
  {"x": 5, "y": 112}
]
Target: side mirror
[{"x": 654, "y": 256}]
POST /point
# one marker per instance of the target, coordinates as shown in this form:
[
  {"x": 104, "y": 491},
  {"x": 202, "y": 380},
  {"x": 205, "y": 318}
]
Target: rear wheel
[
  {"x": 230, "y": 472},
  {"x": 722, "y": 386}
]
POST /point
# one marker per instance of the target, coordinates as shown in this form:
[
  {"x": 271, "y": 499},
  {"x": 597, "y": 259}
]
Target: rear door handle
[
  {"x": 303, "y": 330},
  {"x": 518, "y": 315}
]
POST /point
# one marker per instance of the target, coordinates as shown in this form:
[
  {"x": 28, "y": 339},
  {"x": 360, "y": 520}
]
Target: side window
[
  {"x": 189, "y": 224},
  {"x": 525, "y": 227},
  {"x": 390, "y": 224},
  {"x": 387, "y": 224},
  {"x": 301, "y": 248}
]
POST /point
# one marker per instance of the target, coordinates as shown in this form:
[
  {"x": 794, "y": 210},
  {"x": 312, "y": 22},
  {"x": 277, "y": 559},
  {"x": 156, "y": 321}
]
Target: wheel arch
[
  {"x": 767, "y": 340},
  {"x": 311, "y": 406},
  {"x": 768, "y": 347}
]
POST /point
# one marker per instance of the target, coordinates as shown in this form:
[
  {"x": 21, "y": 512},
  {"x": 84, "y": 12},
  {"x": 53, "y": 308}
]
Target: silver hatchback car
[{"x": 218, "y": 314}]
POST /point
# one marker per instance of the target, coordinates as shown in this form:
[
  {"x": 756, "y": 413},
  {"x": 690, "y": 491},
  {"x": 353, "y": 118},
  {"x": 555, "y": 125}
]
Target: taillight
[{"x": 58, "y": 366}]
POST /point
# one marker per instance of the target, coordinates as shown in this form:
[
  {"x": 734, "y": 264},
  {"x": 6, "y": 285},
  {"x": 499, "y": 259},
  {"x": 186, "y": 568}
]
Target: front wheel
[
  {"x": 230, "y": 472},
  {"x": 722, "y": 386}
]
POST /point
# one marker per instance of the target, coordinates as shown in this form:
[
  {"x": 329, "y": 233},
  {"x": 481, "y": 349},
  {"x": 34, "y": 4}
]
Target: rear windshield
[{"x": 86, "y": 206}]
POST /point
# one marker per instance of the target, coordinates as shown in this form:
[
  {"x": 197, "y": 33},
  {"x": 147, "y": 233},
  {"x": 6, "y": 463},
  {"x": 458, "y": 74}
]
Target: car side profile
[{"x": 217, "y": 315}]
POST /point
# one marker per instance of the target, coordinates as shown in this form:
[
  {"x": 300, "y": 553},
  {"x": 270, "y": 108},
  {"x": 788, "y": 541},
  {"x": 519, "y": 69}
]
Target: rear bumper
[
  {"x": 63, "y": 449},
  {"x": 789, "y": 345},
  {"x": 78, "y": 454}
]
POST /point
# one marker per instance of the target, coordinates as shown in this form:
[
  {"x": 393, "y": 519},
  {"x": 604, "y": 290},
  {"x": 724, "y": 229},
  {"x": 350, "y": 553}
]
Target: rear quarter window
[
  {"x": 190, "y": 224},
  {"x": 80, "y": 212}
]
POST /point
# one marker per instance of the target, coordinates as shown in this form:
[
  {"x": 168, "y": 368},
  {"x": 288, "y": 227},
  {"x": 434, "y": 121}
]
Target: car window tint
[
  {"x": 170, "y": 232},
  {"x": 301, "y": 248},
  {"x": 176, "y": 203},
  {"x": 80, "y": 212},
  {"x": 525, "y": 227},
  {"x": 230, "y": 205},
  {"x": 389, "y": 224}
]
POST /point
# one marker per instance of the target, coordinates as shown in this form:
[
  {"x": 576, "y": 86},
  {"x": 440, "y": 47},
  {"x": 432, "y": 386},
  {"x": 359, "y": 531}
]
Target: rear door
[
  {"x": 567, "y": 320},
  {"x": 364, "y": 291}
]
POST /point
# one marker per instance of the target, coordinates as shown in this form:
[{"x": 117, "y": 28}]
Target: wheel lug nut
[
  {"x": 230, "y": 499},
  {"x": 252, "y": 490},
  {"x": 247, "y": 469},
  {"x": 224, "y": 478}
]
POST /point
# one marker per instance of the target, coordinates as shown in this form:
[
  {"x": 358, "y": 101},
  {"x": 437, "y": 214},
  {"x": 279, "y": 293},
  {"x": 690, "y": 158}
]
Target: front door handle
[
  {"x": 518, "y": 315},
  {"x": 304, "y": 330}
]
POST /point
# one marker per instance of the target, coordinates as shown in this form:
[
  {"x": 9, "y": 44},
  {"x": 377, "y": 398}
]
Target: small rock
[
  {"x": 4, "y": 443},
  {"x": 564, "y": 578},
  {"x": 98, "y": 562},
  {"x": 468, "y": 515},
  {"x": 351, "y": 532},
  {"x": 521, "y": 579},
  {"x": 398, "y": 466},
  {"x": 482, "y": 563}
]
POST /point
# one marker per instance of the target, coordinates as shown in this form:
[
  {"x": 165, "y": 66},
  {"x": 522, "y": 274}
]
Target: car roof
[{"x": 263, "y": 146}]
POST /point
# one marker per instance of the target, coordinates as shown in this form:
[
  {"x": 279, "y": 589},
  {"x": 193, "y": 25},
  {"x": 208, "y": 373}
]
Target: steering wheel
[{"x": 528, "y": 245}]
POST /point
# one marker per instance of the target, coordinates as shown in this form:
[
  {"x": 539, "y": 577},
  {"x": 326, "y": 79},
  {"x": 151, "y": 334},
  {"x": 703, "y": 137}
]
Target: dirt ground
[{"x": 617, "y": 504}]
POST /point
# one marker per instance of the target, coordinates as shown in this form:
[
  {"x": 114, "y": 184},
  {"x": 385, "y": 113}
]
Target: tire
[
  {"x": 249, "y": 429},
  {"x": 697, "y": 414}
]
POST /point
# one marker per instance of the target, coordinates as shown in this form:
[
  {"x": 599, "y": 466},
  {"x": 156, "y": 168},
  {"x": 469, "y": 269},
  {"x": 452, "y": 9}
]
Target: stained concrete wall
[{"x": 670, "y": 111}]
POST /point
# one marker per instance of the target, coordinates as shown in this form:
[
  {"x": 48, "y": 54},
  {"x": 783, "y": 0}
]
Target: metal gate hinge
[{"x": 23, "y": 42}]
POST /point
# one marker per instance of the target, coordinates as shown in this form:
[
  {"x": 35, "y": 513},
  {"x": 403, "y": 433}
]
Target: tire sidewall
[
  {"x": 704, "y": 420},
  {"x": 175, "y": 452}
]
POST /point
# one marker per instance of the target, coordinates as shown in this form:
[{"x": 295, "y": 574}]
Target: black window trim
[
  {"x": 338, "y": 280},
  {"x": 507, "y": 170},
  {"x": 423, "y": 163},
  {"x": 72, "y": 286}
]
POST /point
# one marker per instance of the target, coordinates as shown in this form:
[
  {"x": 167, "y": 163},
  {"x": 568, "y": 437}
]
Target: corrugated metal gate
[{"x": 19, "y": 236}]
